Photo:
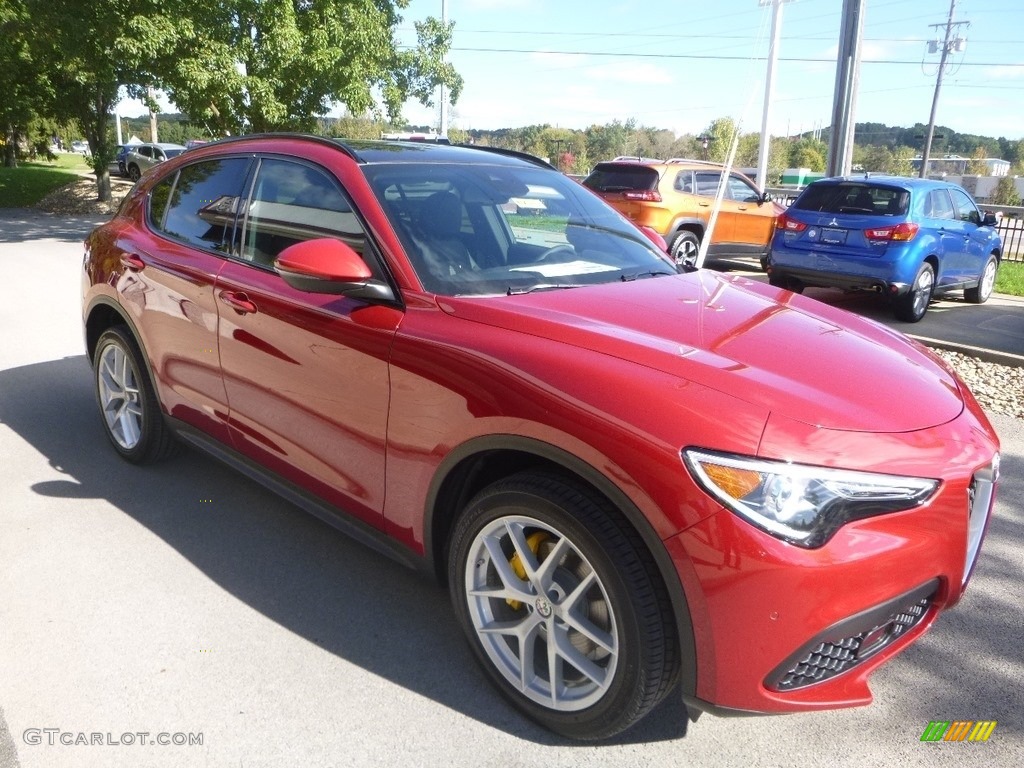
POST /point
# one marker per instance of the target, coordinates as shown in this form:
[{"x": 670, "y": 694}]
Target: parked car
[
  {"x": 675, "y": 198},
  {"x": 141, "y": 157},
  {"x": 121, "y": 158},
  {"x": 628, "y": 475},
  {"x": 81, "y": 147},
  {"x": 906, "y": 239}
]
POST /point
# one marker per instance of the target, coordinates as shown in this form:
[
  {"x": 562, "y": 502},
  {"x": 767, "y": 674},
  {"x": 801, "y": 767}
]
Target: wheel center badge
[{"x": 543, "y": 607}]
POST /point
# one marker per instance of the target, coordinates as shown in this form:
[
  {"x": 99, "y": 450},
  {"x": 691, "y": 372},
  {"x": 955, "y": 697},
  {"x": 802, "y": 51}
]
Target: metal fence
[{"x": 1010, "y": 226}]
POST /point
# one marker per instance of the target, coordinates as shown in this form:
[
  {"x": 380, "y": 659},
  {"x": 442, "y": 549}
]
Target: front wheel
[
  {"x": 134, "y": 173},
  {"x": 131, "y": 413},
  {"x": 911, "y": 306},
  {"x": 562, "y": 606},
  {"x": 684, "y": 248},
  {"x": 987, "y": 281}
]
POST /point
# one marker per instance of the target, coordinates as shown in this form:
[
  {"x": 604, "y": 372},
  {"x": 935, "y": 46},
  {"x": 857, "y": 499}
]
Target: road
[{"x": 183, "y": 599}]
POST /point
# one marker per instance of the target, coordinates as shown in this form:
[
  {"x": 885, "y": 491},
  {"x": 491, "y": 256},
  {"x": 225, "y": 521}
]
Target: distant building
[{"x": 955, "y": 165}]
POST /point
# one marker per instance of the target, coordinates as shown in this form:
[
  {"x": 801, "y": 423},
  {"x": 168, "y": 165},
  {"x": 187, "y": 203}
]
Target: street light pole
[
  {"x": 444, "y": 109},
  {"x": 769, "y": 88}
]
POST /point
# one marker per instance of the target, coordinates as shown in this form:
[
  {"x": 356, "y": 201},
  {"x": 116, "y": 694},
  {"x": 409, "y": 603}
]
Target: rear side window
[
  {"x": 879, "y": 200},
  {"x": 938, "y": 205},
  {"x": 621, "y": 178},
  {"x": 200, "y": 202}
]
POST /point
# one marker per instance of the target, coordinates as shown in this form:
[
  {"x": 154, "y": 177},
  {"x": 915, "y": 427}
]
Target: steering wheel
[{"x": 569, "y": 250}]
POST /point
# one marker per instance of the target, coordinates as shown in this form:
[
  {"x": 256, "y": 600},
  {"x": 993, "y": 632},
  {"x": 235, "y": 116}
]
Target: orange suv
[{"x": 675, "y": 198}]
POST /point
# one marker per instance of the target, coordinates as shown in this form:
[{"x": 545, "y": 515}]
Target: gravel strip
[{"x": 999, "y": 388}]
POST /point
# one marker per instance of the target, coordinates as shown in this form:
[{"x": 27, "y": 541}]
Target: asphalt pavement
[{"x": 184, "y": 602}]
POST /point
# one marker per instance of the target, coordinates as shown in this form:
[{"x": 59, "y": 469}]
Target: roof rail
[
  {"x": 691, "y": 160},
  {"x": 509, "y": 153}
]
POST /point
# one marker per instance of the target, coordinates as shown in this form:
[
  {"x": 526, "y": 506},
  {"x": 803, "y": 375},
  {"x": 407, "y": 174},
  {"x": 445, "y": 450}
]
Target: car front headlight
[{"x": 798, "y": 503}]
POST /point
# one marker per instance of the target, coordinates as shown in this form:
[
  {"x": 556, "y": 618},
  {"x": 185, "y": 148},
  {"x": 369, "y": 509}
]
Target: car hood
[{"x": 791, "y": 355}]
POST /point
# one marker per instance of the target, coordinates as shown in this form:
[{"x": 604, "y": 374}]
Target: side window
[
  {"x": 292, "y": 202},
  {"x": 158, "y": 153},
  {"x": 684, "y": 182},
  {"x": 741, "y": 191},
  {"x": 939, "y": 205},
  {"x": 707, "y": 183},
  {"x": 202, "y": 203},
  {"x": 966, "y": 210},
  {"x": 146, "y": 151}
]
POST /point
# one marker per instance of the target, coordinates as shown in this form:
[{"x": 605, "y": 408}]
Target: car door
[
  {"x": 975, "y": 248},
  {"x": 942, "y": 218},
  {"x": 705, "y": 189},
  {"x": 171, "y": 267},
  {"x": 306, "y": 374},
  {"x": 752, "y": 220}
]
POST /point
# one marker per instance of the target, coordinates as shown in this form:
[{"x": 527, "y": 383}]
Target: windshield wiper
[
  {"x": 539, "y": 287},
  {"x": 652, "y": 273}
]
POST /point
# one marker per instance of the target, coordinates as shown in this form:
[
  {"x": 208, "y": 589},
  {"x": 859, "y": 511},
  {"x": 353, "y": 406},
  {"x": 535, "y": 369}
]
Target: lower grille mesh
[{"x": 832, "y": 658}]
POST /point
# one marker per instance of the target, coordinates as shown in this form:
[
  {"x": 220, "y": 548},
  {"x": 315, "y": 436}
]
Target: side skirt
[{"x": 363, "y": 533}]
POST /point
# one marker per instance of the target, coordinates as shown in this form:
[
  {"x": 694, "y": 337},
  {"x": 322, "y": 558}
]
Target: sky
[{"x": 680, "y": 64}]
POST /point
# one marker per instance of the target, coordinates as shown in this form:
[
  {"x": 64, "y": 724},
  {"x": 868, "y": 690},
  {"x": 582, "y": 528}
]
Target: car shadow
[{"x": 282, "y": 562}]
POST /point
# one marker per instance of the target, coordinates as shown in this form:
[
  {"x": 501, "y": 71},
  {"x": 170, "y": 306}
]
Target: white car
[{"x": 81, "y": 147}]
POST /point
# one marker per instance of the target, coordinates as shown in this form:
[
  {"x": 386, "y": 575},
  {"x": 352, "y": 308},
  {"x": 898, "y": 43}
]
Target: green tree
[
  {"x": 260, "y": 65},
  {"x": 23, "y": 84},
  {"x": 611, "y": 140},
  {"x": 977, "y": 165},
  {"x": 720, "y": 134},
  {"x": 1006, "y": 192},
  {"x": 808, "y": 153}
]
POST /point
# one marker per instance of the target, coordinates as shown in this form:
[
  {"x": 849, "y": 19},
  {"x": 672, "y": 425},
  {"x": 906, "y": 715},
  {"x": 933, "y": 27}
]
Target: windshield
[{"x": 476, "y": 229}]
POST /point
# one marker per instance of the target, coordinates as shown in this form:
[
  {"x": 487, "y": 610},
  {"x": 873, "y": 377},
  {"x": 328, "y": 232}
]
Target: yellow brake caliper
[{"x": 533, "y": 541}]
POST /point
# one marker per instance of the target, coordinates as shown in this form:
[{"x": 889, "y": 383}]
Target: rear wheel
[
  {"x": 684, "y": 248},
  {"x": 562, "y": 606},
  {"x": 911, "y": 306},
  {"x": 987, "y": 281},
  {"x": 131, "y": 414}
]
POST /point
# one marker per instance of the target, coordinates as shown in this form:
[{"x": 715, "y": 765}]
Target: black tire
[
  {"x": 128, "y": 405},
  {"x": 986, "y": 282},
  {"x": 627, "y": 653},
  {"x": 683, "y": 248},
  {"x": 121, "y": 169},
  {"x": 911, "y": 306},
  {"x": 134, "y": 173}
]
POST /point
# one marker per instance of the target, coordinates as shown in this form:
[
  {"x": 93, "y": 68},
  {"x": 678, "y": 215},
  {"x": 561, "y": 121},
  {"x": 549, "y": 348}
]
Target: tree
[
  {"x": 720, "y": 135},
  {"x": 22, "y": 81},
  {"x": 261, "y": 65},
  {"x": 234, "y": 65},
  {"x": 977, "y": 165},
  {"x": 1006, "y": 192}
]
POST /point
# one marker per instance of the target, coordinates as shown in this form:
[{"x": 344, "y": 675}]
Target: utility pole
[
  {"x": 443, "y": 130},
  {"x": 769, "y": 88},
  {"x": 947, "y": 45},
  {"x": 840, "y": 140}
]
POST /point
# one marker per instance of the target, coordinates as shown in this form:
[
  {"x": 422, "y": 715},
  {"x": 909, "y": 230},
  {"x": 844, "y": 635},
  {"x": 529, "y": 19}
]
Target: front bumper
[{"x": 778, "y": 628}]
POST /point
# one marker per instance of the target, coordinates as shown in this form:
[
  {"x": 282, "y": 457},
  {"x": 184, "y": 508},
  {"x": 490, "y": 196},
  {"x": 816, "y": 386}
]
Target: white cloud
[
  {"x": 641, "y": 72},
  {"x": 1007, "y": 72}
]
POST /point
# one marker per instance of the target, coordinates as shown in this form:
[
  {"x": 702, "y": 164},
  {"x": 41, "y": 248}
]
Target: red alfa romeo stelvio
[{"x": 634, "y": 480}]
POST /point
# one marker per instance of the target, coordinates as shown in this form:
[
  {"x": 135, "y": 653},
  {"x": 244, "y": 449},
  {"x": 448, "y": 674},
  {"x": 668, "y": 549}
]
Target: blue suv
[{"x": 907, "y": 239}]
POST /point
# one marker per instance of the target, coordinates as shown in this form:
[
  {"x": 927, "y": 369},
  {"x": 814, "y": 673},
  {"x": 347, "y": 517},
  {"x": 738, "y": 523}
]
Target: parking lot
[{"x": 183, "y": 600}]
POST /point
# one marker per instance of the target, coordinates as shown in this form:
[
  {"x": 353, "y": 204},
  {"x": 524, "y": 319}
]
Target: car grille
[{"x": 833, "y": 657}]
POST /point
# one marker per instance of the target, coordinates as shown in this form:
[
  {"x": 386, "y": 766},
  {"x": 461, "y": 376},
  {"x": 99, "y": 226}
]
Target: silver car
[{"x": 142, "y": 157}]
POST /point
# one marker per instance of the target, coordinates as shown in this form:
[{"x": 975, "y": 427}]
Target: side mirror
[
  {"x": 766, "y": 197},
  {"x": 989, "y": 219},
  {"x": 327, "y": 265},
  {"x": 655, "y": 238}
]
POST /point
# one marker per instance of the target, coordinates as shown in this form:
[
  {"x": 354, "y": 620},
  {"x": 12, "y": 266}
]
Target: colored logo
[{"x": 958, "y": 730}]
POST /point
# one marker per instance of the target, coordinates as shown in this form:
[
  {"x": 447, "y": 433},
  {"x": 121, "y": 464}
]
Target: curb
[{"x": 988, "y": 355}]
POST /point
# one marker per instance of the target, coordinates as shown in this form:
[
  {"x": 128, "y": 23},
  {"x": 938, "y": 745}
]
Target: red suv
[{"x": 630, "y": 478}]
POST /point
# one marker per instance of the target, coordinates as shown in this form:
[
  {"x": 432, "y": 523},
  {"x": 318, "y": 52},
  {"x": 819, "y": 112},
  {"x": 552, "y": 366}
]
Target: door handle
[
  {"x": 238, "y": 302},
  {"x": 132, "y": 262}
]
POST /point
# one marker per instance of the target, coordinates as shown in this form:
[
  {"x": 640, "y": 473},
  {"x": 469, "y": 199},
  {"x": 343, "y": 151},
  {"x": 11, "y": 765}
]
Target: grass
[
  {"x": 29, "y": 183},
  {"x": 1010, "y": 278}
]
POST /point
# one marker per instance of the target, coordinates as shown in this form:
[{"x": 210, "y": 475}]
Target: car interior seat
[{"x": 439, "y": 221}]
